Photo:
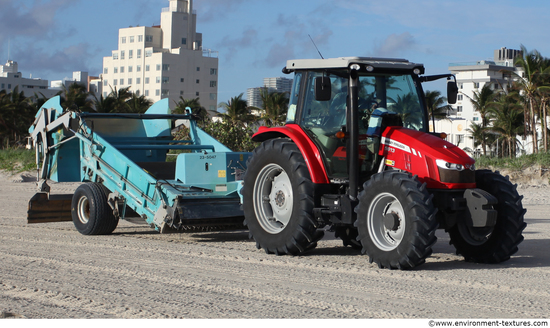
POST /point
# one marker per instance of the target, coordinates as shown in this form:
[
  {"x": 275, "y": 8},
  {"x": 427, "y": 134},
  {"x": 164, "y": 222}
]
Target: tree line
[
  {"x": 234, "y": 129},
  {"x": 514, "y": 111}
]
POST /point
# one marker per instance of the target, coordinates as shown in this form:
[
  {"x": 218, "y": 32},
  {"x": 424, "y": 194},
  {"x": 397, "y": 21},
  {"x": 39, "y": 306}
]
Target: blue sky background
[{"x": 52, "y": 38}]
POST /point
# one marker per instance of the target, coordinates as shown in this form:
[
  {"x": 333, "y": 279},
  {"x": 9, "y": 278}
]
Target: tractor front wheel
[
  {"x": 498, "y": 243},
  {"x": 278, "y": 199},
  {"x": 396, "y": 220}
]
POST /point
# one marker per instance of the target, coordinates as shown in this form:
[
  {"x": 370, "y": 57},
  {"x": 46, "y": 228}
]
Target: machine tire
[
  {"x": 396, "y": 220},
  {"x": 278, "y": 199},
  {"x": 348, "y": 236},
  {"x": 91, "y": 212},
  {"x": 503, "y": 239}
]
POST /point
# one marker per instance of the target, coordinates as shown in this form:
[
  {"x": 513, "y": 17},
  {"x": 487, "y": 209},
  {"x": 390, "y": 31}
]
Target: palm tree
[
  {"x": 529, "y": 80},
  {"x": 16, "y": 115},
  {"x": 478, "y": 134},
  {"x": 275, "y": 105},
  {"x": 508, "y": 121},
  {"x": 236, "y": 110},
  {"x": 482, "y": 100},
  {"x": 120, "y": 100},
  {"x": 138, "y": 104},
  {"x": 76, "y": 95},
  {"x": 436, "y": 104}
]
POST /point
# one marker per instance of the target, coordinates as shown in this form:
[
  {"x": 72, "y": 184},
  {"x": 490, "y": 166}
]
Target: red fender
[{"x": 307, "y": 147}]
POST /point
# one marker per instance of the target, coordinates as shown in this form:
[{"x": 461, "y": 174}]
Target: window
[
  {"x": 138, "y": 80},
  {"x": 105, "y": 94},
  {"x": 459, "y": 139},
  {"x": 476, "y": 118},
  {"x": 129, "y": 81},
  {"x": 132, "y": 39},
  {"x": 105, "y": 83},
  {"x": 130, "y": 69},
  {"x": 148, "y": 38},
  {"x": 198, "y": 69},
  {"x": 148, "y": 52},
  {"x": 213, "y": 71},
  {"x": 146, "y": 93},
  {"x": 212, "y": 96},
  {"x": 138, "y": 68},
  {"x": 476, "y": 85},
  {"x": 158, "y": 79},
  {"x": 122, "y": 54},
  {"x": 146, "y": 80},
  {"x": 157, "y": 92},
  {"x": 9, "y": 85},
  {"x": 121, "y": 69},
  {"x": 460, "y": 85},
  {"x": 115, "y": 82},
  {"x": 213, "y": 84},
  {"x": 105, "y": 70},
  {"x": 139, "y": 53},
  {"x": 183, "y": 40},
  {"x": 147, "y": 68},
  {"x": 181, "y": 93},
  {"x": 158, "y": 67},
  {"x": 140, "y": 38},
  {"x": 198, "y": 81},
  {"x": 115, "y": 55},
  {"x": 121, "y": 81},
  {"x": 197, "y": 93},
  {"x": 165, "y": 79},
  {"x": 181, "y": 80},
  {"x": 165, "y": 67},
  {"x": 459, "y": 109},
  {"x": 123, "y": 39},
  {"x": 165, "y": 93},
  {"x": 115, "y": 70},
  {"x": 130, "y": 54}
]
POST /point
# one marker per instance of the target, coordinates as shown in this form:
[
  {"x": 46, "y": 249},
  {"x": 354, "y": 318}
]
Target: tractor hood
[{"x": 437, "y": 162}]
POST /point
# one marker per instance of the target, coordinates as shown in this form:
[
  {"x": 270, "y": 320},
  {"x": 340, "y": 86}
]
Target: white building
[
  {"x": 10, "y": 77},
  {"x": 273, "y": 84},
  {"x": 471, "y": 77},
  {"x": 166, "y": 61}
]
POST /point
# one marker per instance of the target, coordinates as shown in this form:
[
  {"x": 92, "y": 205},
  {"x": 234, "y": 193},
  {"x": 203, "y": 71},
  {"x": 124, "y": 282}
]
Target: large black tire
[
  {"x": 278, "y": 199},
  {"x": 91, "y": 212},
  {"x": 396, "y": 220},
  {"x": 496, "y": 244}
]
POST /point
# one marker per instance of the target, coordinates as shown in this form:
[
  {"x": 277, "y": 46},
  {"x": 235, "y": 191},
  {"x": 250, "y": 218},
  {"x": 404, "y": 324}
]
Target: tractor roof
[{"x": 345, "y": 62}]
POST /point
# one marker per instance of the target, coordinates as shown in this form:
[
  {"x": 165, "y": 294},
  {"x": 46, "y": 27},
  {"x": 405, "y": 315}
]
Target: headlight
[{"x": 449, "y": 166}]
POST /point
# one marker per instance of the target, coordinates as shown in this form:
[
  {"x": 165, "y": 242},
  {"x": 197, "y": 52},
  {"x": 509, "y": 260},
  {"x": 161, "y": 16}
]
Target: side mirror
[
  {"x": 323, "y": 91},
  {"x": 452, "y": 91}
]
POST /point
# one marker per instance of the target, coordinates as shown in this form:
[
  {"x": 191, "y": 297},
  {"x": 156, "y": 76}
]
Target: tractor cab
[{"x": 387, "y": 93}]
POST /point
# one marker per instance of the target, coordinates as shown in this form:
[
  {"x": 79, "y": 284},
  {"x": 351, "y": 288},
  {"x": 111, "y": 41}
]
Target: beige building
[{"x": 165, "y": 61}]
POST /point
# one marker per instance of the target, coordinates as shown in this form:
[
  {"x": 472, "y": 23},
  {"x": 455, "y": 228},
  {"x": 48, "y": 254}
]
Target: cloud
[
  {"x": 210, "y": 10},
  {"x": 73, "y": 58},
  {"x": 34, "y": 21},
  {"x": 394, "y": 45},
  {"x": 233, "y": 46}
]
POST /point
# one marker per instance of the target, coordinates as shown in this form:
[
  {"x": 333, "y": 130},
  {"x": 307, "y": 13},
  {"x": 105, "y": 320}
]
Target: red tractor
[{"x": 357, "y": 154}]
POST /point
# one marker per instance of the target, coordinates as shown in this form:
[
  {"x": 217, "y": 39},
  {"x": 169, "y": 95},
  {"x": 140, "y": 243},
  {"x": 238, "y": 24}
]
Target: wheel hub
[
  {"x": 391, "y": 221},
  {"x": 280, "y": 198}
]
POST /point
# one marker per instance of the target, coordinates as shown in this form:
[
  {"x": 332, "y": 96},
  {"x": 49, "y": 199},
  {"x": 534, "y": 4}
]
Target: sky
[{"x": 254, "y": 38}]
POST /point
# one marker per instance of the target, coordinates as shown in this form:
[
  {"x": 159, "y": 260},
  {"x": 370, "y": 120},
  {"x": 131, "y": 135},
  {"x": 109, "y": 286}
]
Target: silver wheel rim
[
  {"x": 384, "y": 238},
  {"x": 83, "y": 210},
  {"x": 273, "y": 198}
]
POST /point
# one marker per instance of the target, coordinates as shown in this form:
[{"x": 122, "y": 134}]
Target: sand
[{"x": 51, "y": 271}]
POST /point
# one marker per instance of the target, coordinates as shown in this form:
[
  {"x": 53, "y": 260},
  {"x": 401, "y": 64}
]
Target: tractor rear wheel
[
  {"x": 91, "y": 212},
  {"x": 278, "y": 199},
  {"x": 498, "y": 243},
  {"x": 396, "y": 220}
]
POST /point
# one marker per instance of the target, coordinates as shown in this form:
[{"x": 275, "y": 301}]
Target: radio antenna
[{"x": 315, "y": 46}]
